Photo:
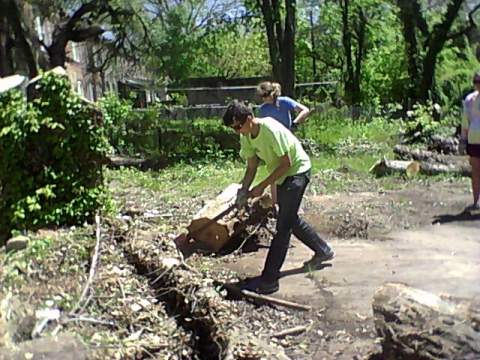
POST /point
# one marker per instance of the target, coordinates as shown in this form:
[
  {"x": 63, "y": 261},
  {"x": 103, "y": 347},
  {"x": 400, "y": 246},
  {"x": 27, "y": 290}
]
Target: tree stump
[
  {"x": 416, "y": 324},
  {"x": 207, "y": 233}
]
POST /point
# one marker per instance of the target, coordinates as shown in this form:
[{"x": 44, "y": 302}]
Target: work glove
[
  {"x": 242, "y": 198},
  {"x": 462, "y": 147}
]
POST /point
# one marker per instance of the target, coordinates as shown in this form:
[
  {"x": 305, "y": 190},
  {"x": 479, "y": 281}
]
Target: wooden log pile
[
  {"x": 416, "y": 324},
  {"x": 417, "y": 161}
]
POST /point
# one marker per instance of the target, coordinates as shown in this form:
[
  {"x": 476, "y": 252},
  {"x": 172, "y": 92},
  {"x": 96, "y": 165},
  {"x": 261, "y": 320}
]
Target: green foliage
[
  {"x": 143, "y": 132},
  {"x": 384, "y": 72},
  {"x": 51, "y": 151},
  {"x": 454, "y": 77},
  {"x": 116, "y": 115},
  {"x": 232, "y": 50},
  {"x": 200, "y": 139},
  {"x": 422, "y": 123},
  {"x": 173, "y": 52},
  {"x": 335, "y": 132}
]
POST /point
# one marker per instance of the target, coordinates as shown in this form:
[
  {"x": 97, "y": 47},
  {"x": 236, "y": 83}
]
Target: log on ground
[
  {"x": 410, "y": 168},
  {"x": 416, "y": 324},
  {"x": 208, "y": 233},
  {"x": 403, "y": 152}
]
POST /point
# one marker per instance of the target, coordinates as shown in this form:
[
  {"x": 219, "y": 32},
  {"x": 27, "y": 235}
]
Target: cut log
[
  {"x": 415, "y": 324},
  {"x": 403, "y": 152},
  {"x": 410, "y": 168},
  {"x": 119, "y": 161},
  {"x": 444, "y": 145},
  {"x": 208, "y": 233}
]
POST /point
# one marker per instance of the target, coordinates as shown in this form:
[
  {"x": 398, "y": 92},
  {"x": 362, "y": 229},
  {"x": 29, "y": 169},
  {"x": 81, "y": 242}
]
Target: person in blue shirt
[{"x": 280, "y": 107}]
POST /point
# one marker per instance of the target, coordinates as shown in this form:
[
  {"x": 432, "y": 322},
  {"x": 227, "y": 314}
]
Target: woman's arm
[
  {"x": 465, "y": 121},
  {"x": 303, "y": 113}
]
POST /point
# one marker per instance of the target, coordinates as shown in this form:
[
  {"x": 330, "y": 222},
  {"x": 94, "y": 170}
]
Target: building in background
[{"x": 91, "y": 79}]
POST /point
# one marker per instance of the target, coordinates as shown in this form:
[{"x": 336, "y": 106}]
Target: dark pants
[{"x": 289, "y": 196}]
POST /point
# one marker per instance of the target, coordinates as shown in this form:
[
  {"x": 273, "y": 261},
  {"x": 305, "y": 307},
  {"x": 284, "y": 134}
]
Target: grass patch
[
  {"x": 335, "y": 132},
  {"x": 349, "y": 149},
  {"x": 181, "y": 181}
]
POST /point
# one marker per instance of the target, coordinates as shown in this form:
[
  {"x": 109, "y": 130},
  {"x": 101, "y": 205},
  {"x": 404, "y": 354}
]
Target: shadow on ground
[
  {"x": 448, "y": 218},
  {"x": 234, "y": 290}
]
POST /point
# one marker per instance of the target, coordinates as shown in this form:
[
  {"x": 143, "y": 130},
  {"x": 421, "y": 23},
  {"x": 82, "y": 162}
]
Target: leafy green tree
[
  {"x": 357, "y": 41},
  {"x": 233, "y": 50},
  {"x": 196, "y": 38},
  {"x": 426, "y": 34}
]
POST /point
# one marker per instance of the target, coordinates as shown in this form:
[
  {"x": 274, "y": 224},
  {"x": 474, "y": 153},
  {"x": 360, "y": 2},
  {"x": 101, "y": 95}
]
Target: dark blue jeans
[{"x": 289, "y": 196}]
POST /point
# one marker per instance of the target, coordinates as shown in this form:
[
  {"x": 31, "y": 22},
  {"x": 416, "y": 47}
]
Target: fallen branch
[
  {"x": 292, "y": 331},
  {"x": 276, "y": 301},
  {"x": 90, "y": 320},
  {"x": 92, "y": 266}
]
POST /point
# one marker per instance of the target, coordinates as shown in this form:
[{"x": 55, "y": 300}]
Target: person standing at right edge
[{"x": 471, "y": 138}]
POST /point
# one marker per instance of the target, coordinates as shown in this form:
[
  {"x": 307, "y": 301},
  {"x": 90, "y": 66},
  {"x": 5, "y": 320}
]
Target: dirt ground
[
  {"x": 417, "y": 235},
  {"x": 406, "y": 236}
]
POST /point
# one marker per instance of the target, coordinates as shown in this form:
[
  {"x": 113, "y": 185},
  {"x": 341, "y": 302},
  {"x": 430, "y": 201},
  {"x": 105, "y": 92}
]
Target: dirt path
[{"x": 440, "y": 258}]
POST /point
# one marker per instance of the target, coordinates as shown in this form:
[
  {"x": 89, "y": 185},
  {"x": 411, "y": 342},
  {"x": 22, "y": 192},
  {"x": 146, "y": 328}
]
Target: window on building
[
  {"x": 90, "y": 91},
  {"x": 75, "y": 52},
  {"x": 79, "y": 88},
  {"x": 39, "y": 28}
]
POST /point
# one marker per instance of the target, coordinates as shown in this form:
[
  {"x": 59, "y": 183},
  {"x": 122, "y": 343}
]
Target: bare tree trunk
[
  {"x": 437, "y": 40},
  {"x": 354, "y": 57},
  {"x": 281, "y": 41},
  {"x": 14, "y": 17},
  {"x": 288, "y": 50},
  {"x": 407, "y": 18},
  {"x": 6, "y": 66},
  {"x": 271, "y": 15},
  {"x": 421, "y": 68},
  {"x": 57, "y": 54}
]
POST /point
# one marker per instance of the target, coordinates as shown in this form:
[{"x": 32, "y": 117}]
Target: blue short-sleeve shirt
[{"x": 279, "y": 111}]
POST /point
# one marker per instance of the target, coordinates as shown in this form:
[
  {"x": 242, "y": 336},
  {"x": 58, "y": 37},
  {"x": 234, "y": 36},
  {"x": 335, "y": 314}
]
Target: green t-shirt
[{"x": 272, "y": 142}]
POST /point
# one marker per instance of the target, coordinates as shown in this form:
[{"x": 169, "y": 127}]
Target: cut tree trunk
[
  {"x": 207, "y": 233},
  {"x": 410, "y": 168},
  {"x": 403, "y": 152},
  {"x": 415, "y": 324}
]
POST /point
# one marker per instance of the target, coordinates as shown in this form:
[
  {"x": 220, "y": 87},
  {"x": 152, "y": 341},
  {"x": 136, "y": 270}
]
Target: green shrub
[
  {"x": 334, "y": 132},
  {"x": 424, "y": 121},
  {"x": 116, "y": 115},
  {"x": 51, "y": 155}
]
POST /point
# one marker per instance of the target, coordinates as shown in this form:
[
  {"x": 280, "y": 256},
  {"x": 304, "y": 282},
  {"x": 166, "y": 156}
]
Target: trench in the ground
[{"x": 202, "y": 341}]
